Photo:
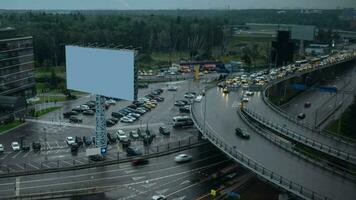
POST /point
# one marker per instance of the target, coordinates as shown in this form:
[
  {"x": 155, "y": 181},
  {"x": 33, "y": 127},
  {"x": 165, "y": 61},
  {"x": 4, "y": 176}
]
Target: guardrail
[
  {"x": 346, "y": 140},
  {"x": 28, "y": 168},
  {"x": 337, "y": 153},
  {"x": 288, "y": 185},
  {"x": 290, "y": 147}
]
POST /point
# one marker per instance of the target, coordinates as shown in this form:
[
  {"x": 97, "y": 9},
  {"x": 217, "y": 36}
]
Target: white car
[
  {"x": 121, "y": 135},
  {"x": 159, "y": 197},
  {"x": 1, "y": 148},
  {"x": 199, "y": 98},
  {"x": 70, "y": 140},
  {"x": 126, "y": 120},
  {"x": 135, "y": 115},
  {"x": 182, "y": 158},
  {"x": 249, "y": 93},
  {"x": 15, "y": 146},
  {"x": 111, "y": 101}
]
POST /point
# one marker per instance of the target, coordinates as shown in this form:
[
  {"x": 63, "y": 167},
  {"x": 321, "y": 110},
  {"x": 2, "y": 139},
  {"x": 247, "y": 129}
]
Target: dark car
[
  {"x": 88, "y": 112},
  {"x": 96, "y": 158},
  {"x": 74, "y": 119},
  {"x": 180, "y": 103},
  {"x": 241, "y": 133},
  {"x": 112, "y": 137},
  {"x": 131, "y": 151},
  {"x": 114, "y": 119},
  {"x": 117, "y": 115},
  {"x": 70, "y": 113},
  {"x": 78, "y": 109},
  {"x": 36, "y": 146},
  {"x": 164, "y": 131},
  {"x": 301, "y": 116},
  {"x": 109, "y": 123},
  {"x": 184, "y": 109},
  {"x": 139, "y": 161},
  {"x": 87, "y": 140},
  {"x": 307, "y": 104},
  {"x": 159, "y": 99},
  {"x": 25, "y": 146},
  {"x": 74, "y": 147},
  {"x": 132, "y": 106},
  {"x": 79, "y": 140}
]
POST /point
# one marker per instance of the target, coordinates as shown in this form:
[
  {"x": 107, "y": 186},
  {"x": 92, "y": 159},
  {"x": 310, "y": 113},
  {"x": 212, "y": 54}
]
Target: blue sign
[
  {"x": 103, "y": 151},
  {"x": 298, "y": 86},
  {"x": 328, "y": 89}
]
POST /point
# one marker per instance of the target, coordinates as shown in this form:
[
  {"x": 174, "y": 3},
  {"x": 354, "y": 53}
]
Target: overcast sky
[{"x": 173, "y": 4}]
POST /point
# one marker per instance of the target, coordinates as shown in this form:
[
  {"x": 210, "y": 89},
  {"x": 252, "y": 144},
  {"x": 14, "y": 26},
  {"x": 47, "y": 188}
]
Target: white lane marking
[
  {"x": 45, "y": 165},
  {"x": 29, "y": 164},
  {"x": 162, "y": 191},
  {"x": 185, "y": 182},
  {"x": 80, "y": 162},
  {"x": 149, "y": 185},
  {"x": 179, "y": 198},
  {"x": 17, "y": 186},
  {"x": 129, "y": 171},
  {"x": 138, "y": 178},
  {"x": 26, "y": 154},
  {"x": 189, "y": 186},
  {"x": 18, "y": 153},
  {"x": 68, "y": 163},
  {"x": 6, "y": 154},
  {"x": 19, "y": 166}
]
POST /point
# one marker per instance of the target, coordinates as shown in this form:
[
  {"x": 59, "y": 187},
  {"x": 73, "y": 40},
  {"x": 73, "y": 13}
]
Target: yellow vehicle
[{"x": 149, "y": 105}]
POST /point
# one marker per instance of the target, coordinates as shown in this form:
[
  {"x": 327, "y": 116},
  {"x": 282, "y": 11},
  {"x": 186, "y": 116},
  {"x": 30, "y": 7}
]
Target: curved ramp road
[{"x": 221, "y": 119}]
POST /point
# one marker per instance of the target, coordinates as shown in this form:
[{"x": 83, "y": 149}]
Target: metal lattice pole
[{"x": 100, "y": 129}]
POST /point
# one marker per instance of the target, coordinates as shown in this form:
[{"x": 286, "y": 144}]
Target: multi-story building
[{"x": 16, "y": 65}]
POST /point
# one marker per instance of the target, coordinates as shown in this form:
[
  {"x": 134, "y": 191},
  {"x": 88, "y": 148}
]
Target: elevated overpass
[{"x": 217, "y": 119}]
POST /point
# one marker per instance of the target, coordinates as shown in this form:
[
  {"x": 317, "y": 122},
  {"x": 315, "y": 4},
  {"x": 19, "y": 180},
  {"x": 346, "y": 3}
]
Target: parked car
[
  {"x": 96, "y": 158},
  {"x": 88, "y": 112},
  {"x": 25, "y": 146},
  {"x": 164, "y": 131},
  {"x": 185, "y": 109},
  {"x": 301, "y": 116},
  {"x": 70, "y": 140},
  {"x": 117, "y": 115},
  {"x": 159, "y": 99},
  {"x": 74, "y": 147},
  {"x": 109, "y": 123},
  {"x": 70, "y": 113},
  {"x": 241, "y": 133},
  {"x": 87, "y": 140},
  {"x": 36, "y": 146},
  {"x": 111, "y": 137},
  {"x": 139, "y": 161},
  {"x": 180, "y": 103},
  {"x": 133, "y": 151},
  {"x": 307, "y": 104},
  {"x": 134, "y": 134},
  {"x": 15, "y": 146},
  {"x": 79, "y": 140},
  {"x": 126, "y": 120},
  {"x": 73, "y": 119},
  {"x": 182, "y": 158},
  {"x": 1, "y": 148},
  {"x": 121, "y": 135}
]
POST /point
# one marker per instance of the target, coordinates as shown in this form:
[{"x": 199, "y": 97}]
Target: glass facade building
[{"x": 17, "y": 76}]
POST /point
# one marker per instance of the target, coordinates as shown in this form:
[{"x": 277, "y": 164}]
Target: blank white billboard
[{"x": 101, "y": 71}]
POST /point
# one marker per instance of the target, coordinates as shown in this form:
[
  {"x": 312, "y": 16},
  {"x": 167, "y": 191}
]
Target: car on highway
[
  {"x": 1, "y": 148},
  {"x": 88, "y": 112},
  {"x": 159, "y": 197},
  {"x": 301, "y": 116},
  {"x": 134, "y": 134},
  {"x": 182, "y": 158},
  {"x": 307, "y": 104},
  {"x": 225, "y": 91},
  {"x": 242, "y": 133},
  {"x": 164, "y": 131},
  {"x": 15, "y": 146},
  {"x": 139, "y": 161},
  {"x": 133, "y": 151},
  {"x": 74, "y": 119},
  {"x": 70, "y": 140}
]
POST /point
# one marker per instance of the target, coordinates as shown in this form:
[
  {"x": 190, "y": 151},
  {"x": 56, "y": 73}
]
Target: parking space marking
[
  {"x": 18, "y": 153},
  {"x": 6, "y": 154},
  {"x": 19, "y": 166},
  {"x": 66, "y": 162},
  {"x": 26, "y": 154},
  {"x": 29, "y": 164},
  {"x": 58, "y": 146},
  {"x": 48, "y": 145},
  {"x": 80, "y": 162},
  {"x": 45, "y": 165}
]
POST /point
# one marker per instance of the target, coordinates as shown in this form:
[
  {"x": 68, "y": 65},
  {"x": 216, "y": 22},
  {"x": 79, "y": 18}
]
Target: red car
[{"x": 139, "y": 161}]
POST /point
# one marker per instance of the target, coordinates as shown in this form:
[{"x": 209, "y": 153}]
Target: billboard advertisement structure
[{"x": 100, "y": 71}]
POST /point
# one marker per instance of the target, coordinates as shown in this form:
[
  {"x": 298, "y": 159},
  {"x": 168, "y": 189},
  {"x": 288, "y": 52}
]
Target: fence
[
  {"x": 27, "y": 168},
  {"x": 288, "y": 185}
]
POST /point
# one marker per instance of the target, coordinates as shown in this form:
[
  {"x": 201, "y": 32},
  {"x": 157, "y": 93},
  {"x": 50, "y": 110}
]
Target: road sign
[
  {"x": 103, "y": 150},
  {"x": 328, "y": 89}
]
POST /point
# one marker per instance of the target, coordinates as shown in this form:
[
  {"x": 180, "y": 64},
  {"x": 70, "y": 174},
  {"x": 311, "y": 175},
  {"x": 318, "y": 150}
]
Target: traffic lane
[
  {"x": 162, "y": 166},
  {"x": 258, "y": 105},
  {"x": 223, "y": 119}
]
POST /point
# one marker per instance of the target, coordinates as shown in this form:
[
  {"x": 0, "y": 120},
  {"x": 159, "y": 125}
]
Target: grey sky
[{"x": 173, "y": 4}]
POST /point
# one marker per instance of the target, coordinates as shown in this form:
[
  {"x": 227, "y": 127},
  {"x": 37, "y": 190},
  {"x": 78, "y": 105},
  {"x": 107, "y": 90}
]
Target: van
[{"x": 180, "y": 121}]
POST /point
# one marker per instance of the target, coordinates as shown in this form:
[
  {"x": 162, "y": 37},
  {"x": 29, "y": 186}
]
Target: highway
[{"x": 221, "y": 118}]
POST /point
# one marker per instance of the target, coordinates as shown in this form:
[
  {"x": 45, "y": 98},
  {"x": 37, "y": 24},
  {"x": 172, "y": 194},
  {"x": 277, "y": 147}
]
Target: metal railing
[
  {"x": 288, "y": 185},
  {"x": 283, "y": 130},
  {"x": 27, "y": 168}
]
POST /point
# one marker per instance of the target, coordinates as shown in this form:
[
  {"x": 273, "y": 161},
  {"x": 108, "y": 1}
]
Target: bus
[{"x": 299, "y": 63}]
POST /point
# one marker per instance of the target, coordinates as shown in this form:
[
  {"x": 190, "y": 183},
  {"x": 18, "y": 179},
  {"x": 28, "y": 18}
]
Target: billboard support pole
[{"x": 100, "y": 129}]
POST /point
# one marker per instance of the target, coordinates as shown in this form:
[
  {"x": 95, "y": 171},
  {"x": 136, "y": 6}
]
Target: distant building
[
  {"x": 17, "y": 76},
  {"x": 317, "y": 49},
  {"x": 348, "y": 14},
  {"x": 17, "y": 79}
]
